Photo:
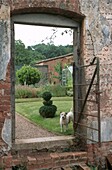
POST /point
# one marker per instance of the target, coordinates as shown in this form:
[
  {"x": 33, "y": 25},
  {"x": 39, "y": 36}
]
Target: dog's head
[{"x": 63, "y": 115}]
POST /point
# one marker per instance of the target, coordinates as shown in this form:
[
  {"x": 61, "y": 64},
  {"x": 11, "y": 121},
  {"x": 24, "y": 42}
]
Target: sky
[{"x": 32, "y": 35}]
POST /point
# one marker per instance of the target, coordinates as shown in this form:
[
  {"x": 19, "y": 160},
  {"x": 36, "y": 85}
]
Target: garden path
[{"x": 26, "y": 129}]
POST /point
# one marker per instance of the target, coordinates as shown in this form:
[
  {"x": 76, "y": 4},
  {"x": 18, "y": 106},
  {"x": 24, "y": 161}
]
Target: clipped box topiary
[
  {"x": 48, "y": 110},
  {"x": 46, "y": 96},
  {"x": 48, "y": 103}
]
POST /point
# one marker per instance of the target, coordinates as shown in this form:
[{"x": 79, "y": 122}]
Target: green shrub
[
  {"x": 46, "y": 96},
  {"x": 56, "y": 90},
  {"x": 28, "y": 75},
  {"x": 48, "y": 111},
  {"x": 26, "y": 92},
  {"x": 47, "y": 103},
  {"x": 32, "y": 92}
]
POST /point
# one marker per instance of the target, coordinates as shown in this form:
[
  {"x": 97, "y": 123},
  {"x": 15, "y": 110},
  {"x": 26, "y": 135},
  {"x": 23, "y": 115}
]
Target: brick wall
[
  {"x": 97, "y": 41},
  {"x": 51, "y": 63},
  {"x": 43, "y": 160},
  {"x": 97, "y": 155},
  {"x": 46, "y": 6},
  {"x": 5, "y": 100}
]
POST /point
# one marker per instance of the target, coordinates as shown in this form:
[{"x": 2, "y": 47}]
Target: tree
[
  {"x": 50, "y": 50},
  {"x": 28, "y": 75},
  {"x": 21, "y": 54},
  {"x": 25, "y": 55},
  {"x": 31, "y": 54}
]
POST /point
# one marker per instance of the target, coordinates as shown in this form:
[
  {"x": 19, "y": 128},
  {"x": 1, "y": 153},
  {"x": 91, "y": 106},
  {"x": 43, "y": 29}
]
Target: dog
[{"x": 65, "y": 119}]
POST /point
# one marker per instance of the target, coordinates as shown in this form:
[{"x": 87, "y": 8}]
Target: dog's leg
[
  {"x": 66, "y": 127},
  {"x": 61, "y": 128}
]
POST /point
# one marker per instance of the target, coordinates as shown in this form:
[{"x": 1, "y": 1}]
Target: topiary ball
[
  {"x": 48, "y": 111},
  {"x": 48, "y": 103},
  {"x": 46, "y": 96}
]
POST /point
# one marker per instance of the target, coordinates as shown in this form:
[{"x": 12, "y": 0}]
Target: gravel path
[{"x": 26, "y": 129}]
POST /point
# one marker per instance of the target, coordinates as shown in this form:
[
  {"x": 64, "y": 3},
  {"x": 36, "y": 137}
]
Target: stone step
[
  {"x": 59, "y": 142},
  {"x": 84, "y": 167}
]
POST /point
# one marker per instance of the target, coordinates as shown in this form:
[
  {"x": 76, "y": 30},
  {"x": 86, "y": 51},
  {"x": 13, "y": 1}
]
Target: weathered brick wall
[
  {"x": 97, "y": 41},
  {"x": 5, "y": 104},
  {"x": 97, "y": 155},
  {"x": 105, "y": 56},
  {"x": 40, "y": 161},
  {"x": 51, "y": 6}
]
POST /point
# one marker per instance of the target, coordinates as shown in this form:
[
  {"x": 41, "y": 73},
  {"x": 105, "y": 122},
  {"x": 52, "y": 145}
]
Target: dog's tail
[
  {"x": 71, "y": 110},
  {"x": 68, "y": 119}
]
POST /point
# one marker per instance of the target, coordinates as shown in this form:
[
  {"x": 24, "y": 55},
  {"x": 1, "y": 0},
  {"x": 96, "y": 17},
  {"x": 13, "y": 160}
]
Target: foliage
[
  {"x": 30, "y": 109},
  {"x": 19, "y": 167},
  {"x": 56, "y": 90},
  {"x": 31, "y": 54},
  {"x": 46, "y": 96},
  {"x": 32, "y": 92},
  {"x": 51, "y": 38},
  {"x": 58, "y": 69},
  {"x": 28, "y": 75},
  {"x": 25, "y": 55},
  {"x": 50, "y": 50},
  {"x": 19, "y": 51},
  {"x": 21, "y": 54},
  {"x": 69, "y": 80},
  {"x": 48, "y": 103},
  {"x": 48, "y": 110},
  {"x": 93, "y": 167},
  {"x": 26, "y": 92}
]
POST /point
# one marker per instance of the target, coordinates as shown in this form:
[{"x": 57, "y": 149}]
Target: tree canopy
[
  {"x": 28, "y": 75},
  {"x": 31, "y": 54},
  {"x": 24, "y": 55}
]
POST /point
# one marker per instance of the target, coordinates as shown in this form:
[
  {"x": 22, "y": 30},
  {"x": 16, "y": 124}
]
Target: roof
[{"x": 55, "y": 58}]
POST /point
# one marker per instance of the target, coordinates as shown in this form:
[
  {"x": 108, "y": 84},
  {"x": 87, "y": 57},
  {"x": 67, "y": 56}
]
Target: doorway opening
[
  {"x": 66, "y": 28},
  {"x": 52, "y": 57}
]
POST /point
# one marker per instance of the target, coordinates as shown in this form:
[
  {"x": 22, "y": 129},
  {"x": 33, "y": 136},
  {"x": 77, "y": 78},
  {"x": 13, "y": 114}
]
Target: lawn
[{"x": 30, "y": 109}]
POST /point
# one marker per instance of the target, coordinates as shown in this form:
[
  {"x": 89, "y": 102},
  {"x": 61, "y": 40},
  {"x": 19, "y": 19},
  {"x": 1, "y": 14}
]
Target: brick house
[
  {"x": 51, "y": 64},
  {"x": 92, "y": 25}
]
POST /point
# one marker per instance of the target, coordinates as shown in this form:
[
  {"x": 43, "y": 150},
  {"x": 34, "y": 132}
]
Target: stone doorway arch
[{"x": 41, "y": 20}]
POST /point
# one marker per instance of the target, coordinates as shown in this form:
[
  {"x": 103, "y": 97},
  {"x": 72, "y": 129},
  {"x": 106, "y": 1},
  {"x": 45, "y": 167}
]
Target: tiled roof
[{"x": 54, "y": 58}]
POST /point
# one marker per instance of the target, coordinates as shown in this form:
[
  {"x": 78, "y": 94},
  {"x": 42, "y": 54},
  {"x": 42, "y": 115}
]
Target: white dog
[{"x": 65, "y": 119}]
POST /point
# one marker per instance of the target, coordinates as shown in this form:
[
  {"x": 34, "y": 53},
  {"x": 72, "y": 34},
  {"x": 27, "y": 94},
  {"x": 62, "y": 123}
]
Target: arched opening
[{"x": 41, "y": 20}]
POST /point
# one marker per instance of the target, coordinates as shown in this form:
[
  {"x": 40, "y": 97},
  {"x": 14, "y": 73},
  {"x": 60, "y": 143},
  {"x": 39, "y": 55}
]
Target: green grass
[{"x": 30, "y": 109}]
